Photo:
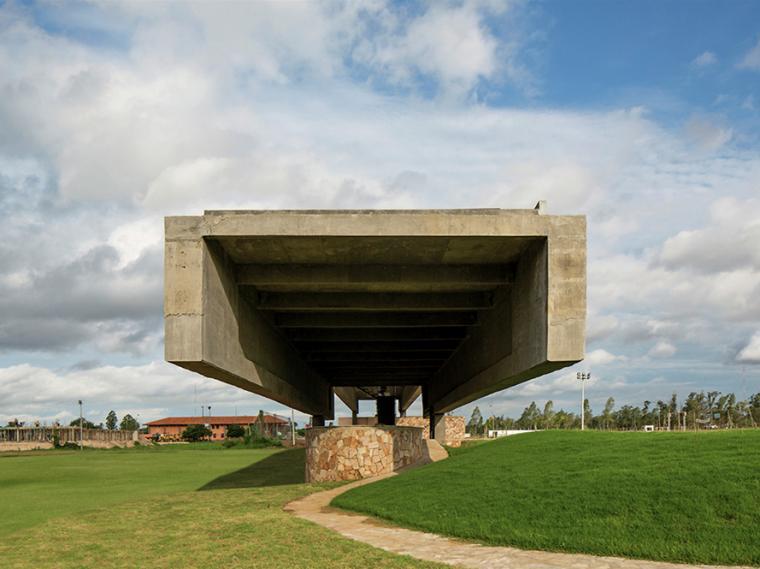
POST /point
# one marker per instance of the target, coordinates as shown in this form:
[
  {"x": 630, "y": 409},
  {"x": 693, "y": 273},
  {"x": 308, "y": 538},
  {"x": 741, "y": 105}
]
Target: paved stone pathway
[{"x": 431, "y": 547}]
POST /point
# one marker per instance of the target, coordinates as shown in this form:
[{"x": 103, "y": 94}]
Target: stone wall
[
  {"x": 453, "y": 428},
  {"x": 351, "y": 453}
]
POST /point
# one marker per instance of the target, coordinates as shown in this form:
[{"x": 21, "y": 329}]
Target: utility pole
[
  {"x": 583, "y": 377},
  {"x": 292, "y": 427},
  {"x": 81, "y": 430}
]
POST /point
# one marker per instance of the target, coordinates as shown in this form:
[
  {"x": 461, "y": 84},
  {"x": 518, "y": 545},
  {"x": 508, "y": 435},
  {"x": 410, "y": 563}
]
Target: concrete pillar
[
  {"x": 317, "y": 420},
  {"x": 354, "y": 418},
  {"x": 386, "y": 410},
  {"x": 440, "y": 427}
]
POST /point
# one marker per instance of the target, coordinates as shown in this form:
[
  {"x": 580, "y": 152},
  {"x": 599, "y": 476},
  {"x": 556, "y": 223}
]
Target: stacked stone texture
[
  {"x": 453, "y": 426},
  {"x": 352, "y": 453}
]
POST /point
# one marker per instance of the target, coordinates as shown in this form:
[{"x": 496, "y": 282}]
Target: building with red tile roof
[{"x": 171, "y": 428}]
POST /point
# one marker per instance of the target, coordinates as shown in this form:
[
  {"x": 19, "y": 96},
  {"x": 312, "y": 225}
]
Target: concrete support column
[
  {"x": 438, "y": 427},
  {"x": 386, "y": 410},
  {"x": 354, "y": 418},
  {"x": 317, "y": 420}
]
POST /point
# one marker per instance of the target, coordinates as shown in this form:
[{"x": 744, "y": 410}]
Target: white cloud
[
  {"x": 751, "y": 59},
  {"x": 705, "y": 59},
  {"x": 706, "y": 134},
  {"x": 602, "y": 357},
  {"x": 662, "y": 349},
  {"x": 751, "y": 352},
  {"x": 150, "y": 390}
]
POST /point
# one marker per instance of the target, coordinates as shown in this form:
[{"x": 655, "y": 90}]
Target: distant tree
[
  {"x": 530, "y": 418},
  {"x": 547, "y": 418},
  {"x": 235, "y": 431},
  {"x": 194, "y": 433},
  {"x": 607, "y": 414},
  {"x": 588, "y": 416},
  {"x": 85, "y": 424},
  {"x": 476, "y": 420},
  {"x": 112, "y": 421},
  {"x": 129, "y": 423}
]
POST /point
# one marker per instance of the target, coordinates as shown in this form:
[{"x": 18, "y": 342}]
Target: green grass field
[
  {"x": 190, "y": 506},
  {"x": 690, "y": 497}
]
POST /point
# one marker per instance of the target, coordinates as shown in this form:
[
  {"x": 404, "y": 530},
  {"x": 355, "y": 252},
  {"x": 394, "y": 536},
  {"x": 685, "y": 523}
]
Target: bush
[
  {"x": 235, "y": 431},
  {"x": 195, "y": 433},
  {"x": 229, "y": 443},
  {"x": 253, "y": 440}
]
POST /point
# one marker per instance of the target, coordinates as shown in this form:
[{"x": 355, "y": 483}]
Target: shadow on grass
[{"x": 278, "y": 469}]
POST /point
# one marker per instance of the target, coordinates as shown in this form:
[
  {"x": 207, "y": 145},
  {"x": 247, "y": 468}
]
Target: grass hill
[{"x": 690, "y": 497}]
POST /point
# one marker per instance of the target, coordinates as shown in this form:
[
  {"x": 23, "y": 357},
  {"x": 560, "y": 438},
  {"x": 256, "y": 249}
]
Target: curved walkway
[{"x": 431, "y": 547}]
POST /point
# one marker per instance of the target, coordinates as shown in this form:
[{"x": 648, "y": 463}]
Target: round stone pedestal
[{"x": 351, "y": 453}]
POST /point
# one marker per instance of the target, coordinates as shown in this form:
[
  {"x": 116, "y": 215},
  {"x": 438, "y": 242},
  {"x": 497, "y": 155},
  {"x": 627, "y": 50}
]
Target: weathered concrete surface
[{"x": 450, "y": 304}]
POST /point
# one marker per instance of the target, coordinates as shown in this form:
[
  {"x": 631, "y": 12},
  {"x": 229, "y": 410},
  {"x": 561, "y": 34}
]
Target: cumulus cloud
[
  {"x": 335, "y": 105},
  {"x": 751, "y": 59},
  {"x": 751, "y": 352},
  {"x": 662, "y": 349},
  {"x": 150, "y": 390},
  {"x": 705, "y": 59},
  {"x": 602, "y": 357}
]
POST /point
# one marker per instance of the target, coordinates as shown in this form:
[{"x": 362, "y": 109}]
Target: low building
[{"x": 171, "y": 428}]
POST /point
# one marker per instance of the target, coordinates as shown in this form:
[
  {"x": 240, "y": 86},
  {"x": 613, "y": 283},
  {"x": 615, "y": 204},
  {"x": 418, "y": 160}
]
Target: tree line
[
  {"x": 699, "y": 410},
  {"x": 127, "y": 423}
]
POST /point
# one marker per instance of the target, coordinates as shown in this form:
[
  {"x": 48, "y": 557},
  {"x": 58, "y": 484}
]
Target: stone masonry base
[{"x": 352, "y": 453}]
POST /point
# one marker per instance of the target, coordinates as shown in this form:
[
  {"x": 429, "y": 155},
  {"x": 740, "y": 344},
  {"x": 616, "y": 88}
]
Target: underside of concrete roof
[{"x": 299, "y": 306}]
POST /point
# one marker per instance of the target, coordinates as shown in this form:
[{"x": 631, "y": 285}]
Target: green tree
[
  {"x": 530, "y": 418},
  {"x": 85, "y": 424},
  {"x": 548, "y": 415},
  {"x": 111, "y": 421},
  {"x": 476, "y": 420},
  {"x": 588, "y": 416},
  {"x": 608, "y": 417},
  {"x": 235, "y": 431},
  {"x": 129, "y": 423},
  {"x": 195, "y": 433}
]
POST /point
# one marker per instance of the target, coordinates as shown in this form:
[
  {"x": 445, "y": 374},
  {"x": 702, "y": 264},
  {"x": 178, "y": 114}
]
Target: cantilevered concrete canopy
[{"x": 298, "y": 305}]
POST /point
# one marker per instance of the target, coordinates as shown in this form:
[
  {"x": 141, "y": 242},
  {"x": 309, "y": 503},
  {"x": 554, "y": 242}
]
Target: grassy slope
[
  {"x": 692, "y": 497},
  {"x": 167, "y": 508}
]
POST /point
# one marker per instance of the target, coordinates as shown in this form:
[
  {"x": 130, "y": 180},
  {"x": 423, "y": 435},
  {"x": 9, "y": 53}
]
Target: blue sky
[{"x": 642, "y": 115}]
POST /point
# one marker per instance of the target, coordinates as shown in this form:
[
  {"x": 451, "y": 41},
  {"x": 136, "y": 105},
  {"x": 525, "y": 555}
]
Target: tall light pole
[
  {"x": 81, "y": 431},
  {"x": 583, "y": 377}
]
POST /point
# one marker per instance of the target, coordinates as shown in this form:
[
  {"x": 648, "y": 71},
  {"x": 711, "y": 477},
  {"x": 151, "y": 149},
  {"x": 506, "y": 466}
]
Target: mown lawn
[
  {"x": 690, "y": 497},
  {"x": 190, "y": 507}
]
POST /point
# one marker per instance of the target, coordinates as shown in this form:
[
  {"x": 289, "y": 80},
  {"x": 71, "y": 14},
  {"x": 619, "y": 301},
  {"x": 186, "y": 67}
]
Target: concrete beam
[
  {"x": 314, "y": 349},
  {"x": 380, "y": 320},
  {"x": 409, "y": 395},
  {"x": 372, "y": 302},
  {"x": 375, "y": 278},
  {"x": 331, "y": 357},
  {"x": 340, "y": 335}
]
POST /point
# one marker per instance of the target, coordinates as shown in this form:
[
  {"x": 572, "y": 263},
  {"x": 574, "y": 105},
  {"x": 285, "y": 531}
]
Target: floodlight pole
[
  {"x": 293, "y": 427},
  {"x": 81, "y": 431},
  {"x": 583, "y": 377}
]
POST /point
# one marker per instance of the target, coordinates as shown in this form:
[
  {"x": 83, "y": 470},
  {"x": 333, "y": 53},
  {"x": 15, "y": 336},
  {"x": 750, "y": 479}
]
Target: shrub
[
  {"x": 235, "y": 431},
  {"x": 194, "y": 433}
]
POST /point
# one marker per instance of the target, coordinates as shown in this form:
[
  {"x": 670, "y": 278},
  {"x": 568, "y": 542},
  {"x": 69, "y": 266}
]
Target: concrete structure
[
  {"x": 351, "y": 453},
  {"x": 299, "y": 306},
  {"x": 171, "y": 428},
  {"x": 43, "y": 437}
]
